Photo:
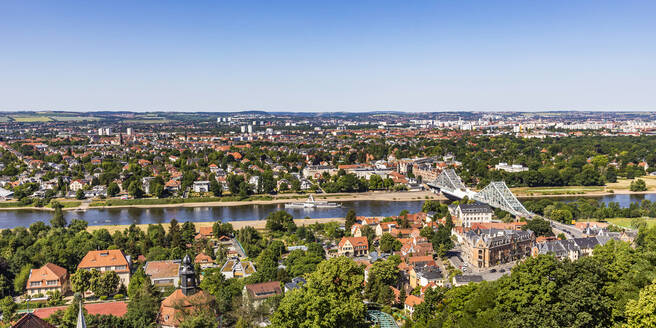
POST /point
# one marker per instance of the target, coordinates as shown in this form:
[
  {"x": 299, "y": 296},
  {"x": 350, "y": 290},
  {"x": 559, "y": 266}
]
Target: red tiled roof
[
  {"x": 264, "y": 289},
  {"x": 104, "y": 258},
  {"x": 413, "y": 300},
  {"x": 117, "y": 309},
  {"x": 49, "y": 271},
  {"x": 29, "y": 320}
]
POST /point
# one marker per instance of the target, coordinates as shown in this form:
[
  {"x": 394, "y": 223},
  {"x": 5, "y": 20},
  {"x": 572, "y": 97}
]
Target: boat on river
[{"x": 311, "y": 203}]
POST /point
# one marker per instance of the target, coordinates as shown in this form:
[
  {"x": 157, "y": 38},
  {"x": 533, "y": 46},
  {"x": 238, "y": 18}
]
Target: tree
[
  {"x": 21, "y": 278},
  {"x": 349, "y": 220},
  {"x": 222, "y": 229},
  {"x": 138, "y": 281},
  {"x": 332, "y": 298},
  {"x": 113, "y": 189},
  {"x": 280, "y": 221},
  {"x": 642, "y": 312},
  {"x": 105, "y": 284},
  {"x": 134, "y": 189},
  {"x": 57, "y": 220},
  {"x": 638, "y": 185},
  {"x": 175, "y": 235},
  {"x": 215, "y": 188},
  {"x": 81, "y": 280},
  {"x": 79, "y": 194},
  {"x": 539, "y": 226},
  {"x": 389, "y": 244},
  {"x": 8, "y": 309},
  {"x": 611, "y": 174},
  {"x": 225, "y": 291},
  {"x": 199, "y": 320},
  {"x": 143, "y": 307},
  {"x": 267, "y": 183}
]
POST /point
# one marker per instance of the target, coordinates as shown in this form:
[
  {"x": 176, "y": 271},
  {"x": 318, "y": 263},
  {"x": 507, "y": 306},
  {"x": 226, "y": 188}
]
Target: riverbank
[
  {"x": 621, "y": 187},
  {"x": 257, "y": 224},
  {"x": 343, "y": 197}
]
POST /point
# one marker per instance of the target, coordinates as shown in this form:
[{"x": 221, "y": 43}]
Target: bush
[
  {"x": 103, "y": 298},
  {"x": 119, "y": 296}
]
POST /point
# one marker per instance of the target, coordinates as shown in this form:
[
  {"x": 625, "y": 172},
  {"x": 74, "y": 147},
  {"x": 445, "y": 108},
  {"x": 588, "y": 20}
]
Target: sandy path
[{"x": 257, "y": 224}]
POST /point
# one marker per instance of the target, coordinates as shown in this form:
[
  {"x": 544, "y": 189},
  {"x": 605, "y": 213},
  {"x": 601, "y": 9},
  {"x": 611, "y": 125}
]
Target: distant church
[{"x": 186, "y": 300}]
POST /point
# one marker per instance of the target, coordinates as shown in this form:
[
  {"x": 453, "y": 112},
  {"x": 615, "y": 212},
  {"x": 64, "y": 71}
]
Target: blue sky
[{"x": 327, "y": 55}]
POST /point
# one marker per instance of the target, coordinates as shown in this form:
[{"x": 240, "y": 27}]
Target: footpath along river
[{"x": 126, "y": 216}]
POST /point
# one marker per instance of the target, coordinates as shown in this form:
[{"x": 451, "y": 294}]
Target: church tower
[{"x": 187, "y": 277}]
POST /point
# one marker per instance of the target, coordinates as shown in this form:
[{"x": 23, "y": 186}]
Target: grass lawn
[
  {"x": 626, "y": 222},
  {"x": 566, "y": 190},
  {"x": 74, "y": 118},
  {"x": 31, "y": 118},
  {"x": 148, "y": 121},
  {"x": 623, "y": 184}
]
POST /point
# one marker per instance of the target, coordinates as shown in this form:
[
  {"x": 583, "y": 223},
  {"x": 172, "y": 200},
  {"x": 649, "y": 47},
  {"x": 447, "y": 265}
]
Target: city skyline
[{"x": 342, "y": 56}]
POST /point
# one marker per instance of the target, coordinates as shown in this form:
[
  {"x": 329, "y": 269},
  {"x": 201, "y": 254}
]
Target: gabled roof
[
  {"x": 162, "y": 269},
  {"x": 29, "y": 320},
  {"x": 412, "y": 300},
  {"x": 47, "y": 272},
  {"x": 104, "y": 258},
  {"x": 264, "y": 289},
  {"x": 355, "y": 241}
]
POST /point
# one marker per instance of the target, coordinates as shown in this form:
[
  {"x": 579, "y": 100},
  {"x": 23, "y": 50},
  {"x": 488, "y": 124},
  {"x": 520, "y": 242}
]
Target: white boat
[{"x": 311, "y": 203}]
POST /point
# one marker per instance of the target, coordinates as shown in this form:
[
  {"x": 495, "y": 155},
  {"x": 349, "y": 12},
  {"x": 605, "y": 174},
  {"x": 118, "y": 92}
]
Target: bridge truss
[{"x": 497, "y": 194}]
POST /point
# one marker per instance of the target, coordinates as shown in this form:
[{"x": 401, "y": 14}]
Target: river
[{"x": 126, "y": 216}]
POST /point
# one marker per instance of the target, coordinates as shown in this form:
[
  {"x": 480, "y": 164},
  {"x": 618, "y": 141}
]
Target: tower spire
[{"x": 81, "y": 323}]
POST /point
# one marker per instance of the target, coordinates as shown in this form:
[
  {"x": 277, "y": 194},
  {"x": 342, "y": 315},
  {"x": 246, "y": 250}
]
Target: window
[
  {"x": 51, "y": 282},
  {"x": 120, "y": 267},
  {"x": 35, "y": 283}
]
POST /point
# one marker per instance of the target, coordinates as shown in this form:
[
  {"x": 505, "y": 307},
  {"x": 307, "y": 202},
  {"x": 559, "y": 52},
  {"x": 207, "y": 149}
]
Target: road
[
  {"x": 569, "y": 230},
  {"x": 488, "y": 274}
]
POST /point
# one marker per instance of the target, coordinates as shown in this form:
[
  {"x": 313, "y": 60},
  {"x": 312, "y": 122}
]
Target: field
[
  {"x": 626, "y": 222},
  {"x": 31, "y": 118}
]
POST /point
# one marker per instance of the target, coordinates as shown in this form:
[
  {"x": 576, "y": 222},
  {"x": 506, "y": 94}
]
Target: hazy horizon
[{"x": 338, "y": 56}]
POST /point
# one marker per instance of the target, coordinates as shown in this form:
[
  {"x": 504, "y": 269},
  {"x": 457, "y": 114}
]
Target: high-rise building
[
  {"x": 108, "y": 131},
  {"x": 100, "y": 131},
  {"x": 250, "y": 128},
  {"x": 129, "y": 131},
  {"x": 243, "y": 129}
]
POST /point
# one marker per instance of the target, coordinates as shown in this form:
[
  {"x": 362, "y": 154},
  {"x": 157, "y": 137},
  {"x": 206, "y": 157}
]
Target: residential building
[
  {"x": 571, "y": 249},
  {"x": 48, "y": 278},
  {"x": 466, "y": 214},
  {"x": 29, "y": 320},
  {"x": 296, "y": 283},
  {"x": 257, "y": 293},
  {"x": 204, "y": 261},
  {"x": 201, "y": 186},
  {"x": 486, "y": 248},
  {"x": 108, "y": 260},
  {"x": 353, "y": 246},
  {"x": 163, "y": 273},
  {"x": 411, "y": 302},
  {"x": 234, "y": 268}
]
